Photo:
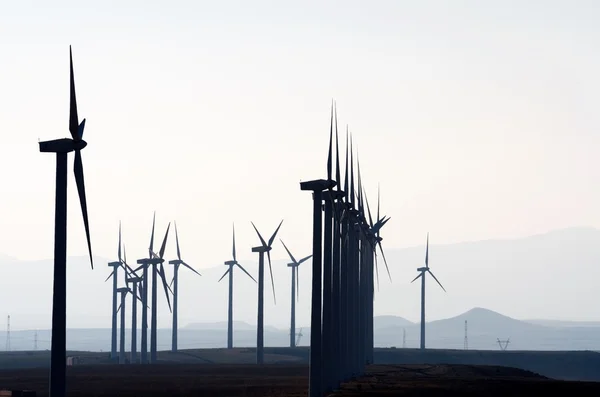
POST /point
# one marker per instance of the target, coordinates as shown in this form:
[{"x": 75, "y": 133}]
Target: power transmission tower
[
  {"x": 8, "y": 333},
  {"x": 503, "y": 343},
  {"x": 35, "y": 340},
  {"x": 404, "y": 338},
  {"x": 466, "y": 337}
]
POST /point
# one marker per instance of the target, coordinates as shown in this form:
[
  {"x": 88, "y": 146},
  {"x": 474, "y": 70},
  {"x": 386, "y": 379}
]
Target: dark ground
[
  {"x": 221, "y": 372},
  {"x": 291, "y": 380}
]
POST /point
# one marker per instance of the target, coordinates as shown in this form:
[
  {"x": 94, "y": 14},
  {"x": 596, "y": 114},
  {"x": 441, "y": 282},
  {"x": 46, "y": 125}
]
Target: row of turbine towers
[
  {"x": 344, "y": 263},
  {"x": 136, "y": 285}
]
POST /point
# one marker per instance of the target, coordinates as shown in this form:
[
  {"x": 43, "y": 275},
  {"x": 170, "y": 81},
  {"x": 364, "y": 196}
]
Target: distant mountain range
[
  {"x": 484, "y": 327},
  {"x": 553, "y": 275}
]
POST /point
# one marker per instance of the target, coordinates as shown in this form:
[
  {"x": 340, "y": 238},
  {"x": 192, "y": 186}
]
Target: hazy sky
[{"x": 478, "y": 118}]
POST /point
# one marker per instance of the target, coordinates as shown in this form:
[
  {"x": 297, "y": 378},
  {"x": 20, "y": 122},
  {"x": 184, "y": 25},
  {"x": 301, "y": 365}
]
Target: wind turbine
[
  {"x": 295, "y": 291},
  {"x": 229, "y": 271},
  {"x": 62, "y": 147},
  {"x": 176, "y": 263},
  {"x": 422, "y": 271},
  {"x": 135, "y": 280},
  {"x": 261, "y": 249},
  {"x": 123, "y": 291},
  {"x": 114, "y": 274},
  {"x": 153, "y": 260}
]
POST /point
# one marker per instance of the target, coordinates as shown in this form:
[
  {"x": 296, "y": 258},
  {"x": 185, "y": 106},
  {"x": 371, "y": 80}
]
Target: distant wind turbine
[
  {"x": 295, "y": 292},
  {"x": 176, "y": 263},
  {"x": 229, "y": 272},
  {"x": 261, "y": 249},
  {"x": 422, "y": 271}
]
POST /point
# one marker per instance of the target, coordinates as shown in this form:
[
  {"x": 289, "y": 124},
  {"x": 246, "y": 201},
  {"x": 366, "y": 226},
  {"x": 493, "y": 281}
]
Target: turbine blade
[
  {"x": 368, "y": 210},
  {"x": 110, "y": 275},
  {"x": 151, "y": 247},
  {"x": 352, "y": 201},
  {"x": 262, "y": 240},
  {"x": 271, "y": 272},
  {"x": 384, "y": 260},
  {"x": 73, "y": 117},
  {"x": 119, "y": 308},
  {"x": 330, "y": 151},
  {"x": 245, "y": 271},
  {"x": 161, "y": 272},
  {"x": 378, "y": 201},
  {"x": 224, "y": 274},
  {"x": 346, "y": 191},
  {"x": 177, "y": 242},
  {"x": 427, "y": 252},
  {"x": 191, "y": 268},
  {"x": 234, "y": 258},
  {"x": 172, "y": 281},
  {"x": 288, "y": 251},
  {"x": 297, "y": 283},
  {"x": 140, "y": 267},
  {"x": 304, "y": 259},
  {"x": 338, "y": 177},
  {"x": 119, "y": 241},
  {"x": 436, "y": 280},
  {"x": 164, "y": 243},
  {"x": 416, "y": 278},
  {"x": 376, "y": 268},
  {"x": 78, "y": 170},
  {"x": 275, "y": 234}
]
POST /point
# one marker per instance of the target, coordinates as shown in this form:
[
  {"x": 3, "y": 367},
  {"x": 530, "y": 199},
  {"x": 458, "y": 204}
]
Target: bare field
[{"x": 291, "y": 380}]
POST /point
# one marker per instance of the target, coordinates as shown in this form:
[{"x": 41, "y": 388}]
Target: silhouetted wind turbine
[
  {"x": 135, "y": 280},
  {"x": 177, "y": 262},
  {"x": 62, "y": 147},
  {"x": 422, "y": 271},
  {"x": 295, "y": 291},
  {"x": 156, "y": 272},
  {"x": 145, "y": 262},
  {"x": 114, "y": 274},
  {"x": 264, "y": 247},
  {"x": 123, "y": 291},
  {"x": 229, "y": 271}
]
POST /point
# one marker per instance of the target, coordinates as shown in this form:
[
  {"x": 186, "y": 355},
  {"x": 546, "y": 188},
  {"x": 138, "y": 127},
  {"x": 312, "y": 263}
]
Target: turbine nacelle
[
  {"x": 317, "y": 185},
  {"x": 175, "y": 262},
  {"x": 230, "y": 263},
  {"x": 292, "y": 264},
  {"x": 123, "y": 290},
  {"x": 114, "y": 264},
  {"x": 422, "y": 269},
  {"x": 64, "y": 145},
  {"x": 261, "y": 248},
  {"x": 134, "y": 279}
]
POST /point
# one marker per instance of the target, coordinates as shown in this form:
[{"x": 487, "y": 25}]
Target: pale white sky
[{"x": 478, "y": 118}]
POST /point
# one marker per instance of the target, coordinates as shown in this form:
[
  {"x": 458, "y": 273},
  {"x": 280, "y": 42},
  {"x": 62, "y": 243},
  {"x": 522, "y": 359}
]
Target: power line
[
  {"x": 503, "y": 343},
  {"x": 35, "y": 340},
  {"x": 404, "y": 338}
]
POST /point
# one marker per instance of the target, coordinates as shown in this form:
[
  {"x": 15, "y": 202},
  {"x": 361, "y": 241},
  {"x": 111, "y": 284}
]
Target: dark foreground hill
[
  {"x": 578, "y": 365},
  {"x": 291, "y": 381}
]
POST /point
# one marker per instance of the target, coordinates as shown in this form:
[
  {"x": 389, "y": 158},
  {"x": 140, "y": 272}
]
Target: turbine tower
[
  {"x": 229, "y": 271},
  {"x": 261, "y": 249},
  {"x": 145, "y": 262},
  {"x": 176, "y": 263},
  {"x": 295, "y": 294},
  {"x": 58, "y": 355},
  {"x": 422, "y": 271},
  {"x": 135, "y": 281}
]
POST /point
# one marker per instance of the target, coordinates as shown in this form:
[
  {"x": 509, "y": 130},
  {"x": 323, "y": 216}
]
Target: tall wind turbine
[
  {"x": 176, "y": 263},
  {"x": 62, "y": 147},
  {"x": 229, "y": 271},
  {"x": 261, "y": 249},
  {"x": 156, "y": 272},
  {"x": 422, "y": 271},
  {"x": 295, "y": 291}
]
